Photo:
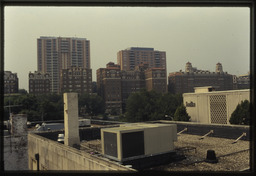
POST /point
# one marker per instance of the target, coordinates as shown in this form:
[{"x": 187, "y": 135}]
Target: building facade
[
  {"x": 184, "y": 82},
  {"x": 76, "y": 79},
  {"x": 57, "y": 53},
  {"x": 116, "y": 85},
  {"x": 213, "y": 107},
  {"x": 109, "y": 87},
  {"x": 131, "y": 81},
  {"x": 39, "y": 83},
  {"x": 131, "y": 57},
  {"x": 242, "y": 81},
  {"x": 155, "y": 79},
  {"x": 11, "y": 82}
]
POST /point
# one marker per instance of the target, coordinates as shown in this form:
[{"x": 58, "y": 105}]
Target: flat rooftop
[{"x": 231, "y": 156}]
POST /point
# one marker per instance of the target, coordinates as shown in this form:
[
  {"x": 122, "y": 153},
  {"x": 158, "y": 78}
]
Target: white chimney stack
[{"x": 71, "y": 119}]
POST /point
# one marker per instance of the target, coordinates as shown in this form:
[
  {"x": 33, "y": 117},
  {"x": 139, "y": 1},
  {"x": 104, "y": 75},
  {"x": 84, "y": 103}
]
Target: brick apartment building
[
  {"x": 76, "y": 79},
  {"x": 184, "y": 82},
  {"x": 115, "y": 85},
  {"x": 39, "y": 83},
  {"x": 155, "y": 79},
  {"x": 109, "y": 86},
  {"x": 11, "y": 82}
]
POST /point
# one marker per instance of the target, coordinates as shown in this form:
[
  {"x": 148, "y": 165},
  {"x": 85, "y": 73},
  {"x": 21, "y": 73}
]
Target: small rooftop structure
[
  {"x": 136, "y": 140},
  {"x": 204, "y": 89},
  {"x": 208, "y": 106}
]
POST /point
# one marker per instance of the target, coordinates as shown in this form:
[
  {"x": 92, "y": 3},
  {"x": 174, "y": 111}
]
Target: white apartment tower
[{"x": 57, "y": 53}]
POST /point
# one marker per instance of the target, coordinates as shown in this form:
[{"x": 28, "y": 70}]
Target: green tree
[
  {"x": 241, "y": 115},
  {"x": 51, "y": 107},
  {"x": 23, "y": 91},
  {"x": 181, "y": 114},
  {"x": 170, "y": 102},
  {"x": 44, "y": 107},
  {"x": 150, "y": 105},
  {"x": 91, "y": 104}
]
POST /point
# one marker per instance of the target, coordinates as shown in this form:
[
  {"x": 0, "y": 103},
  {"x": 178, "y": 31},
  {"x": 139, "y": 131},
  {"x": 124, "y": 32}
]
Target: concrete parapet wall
[
  {"x": 220, "y": 131},
  {"x": 56, "y": 156},
  {"x": 15, "y": 152}
]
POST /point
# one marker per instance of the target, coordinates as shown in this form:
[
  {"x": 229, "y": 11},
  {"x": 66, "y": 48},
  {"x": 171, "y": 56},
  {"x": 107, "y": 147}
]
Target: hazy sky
[{"x": 202, "y": 36}]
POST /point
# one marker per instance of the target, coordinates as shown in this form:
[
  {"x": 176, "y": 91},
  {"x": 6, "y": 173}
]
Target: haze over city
[{"x": 202, "y": 36}]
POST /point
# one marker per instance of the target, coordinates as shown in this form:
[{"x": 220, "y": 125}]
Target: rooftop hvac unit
[{"x": 132, "y": 141}]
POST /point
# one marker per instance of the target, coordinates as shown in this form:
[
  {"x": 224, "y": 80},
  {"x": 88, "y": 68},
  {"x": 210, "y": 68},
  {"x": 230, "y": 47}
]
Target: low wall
[
  {"x": 220, "y": 131},
  {"x": 15, "y": 152},
  {"x": 56, "y": 156},
  {"x": 85, "y": 133}
]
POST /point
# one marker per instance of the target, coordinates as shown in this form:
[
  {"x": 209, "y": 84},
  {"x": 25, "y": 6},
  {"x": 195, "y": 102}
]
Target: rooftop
[
  {"x": 140, "y": 48},
  {"x": 231, "y": 155}
]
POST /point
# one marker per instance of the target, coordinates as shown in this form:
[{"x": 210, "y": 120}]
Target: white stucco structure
[{"x": 208, "y": 106}]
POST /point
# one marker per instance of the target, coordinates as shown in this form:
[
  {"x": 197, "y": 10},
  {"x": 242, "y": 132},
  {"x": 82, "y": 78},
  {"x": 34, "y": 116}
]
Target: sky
[{"x": 203, "y": 36}]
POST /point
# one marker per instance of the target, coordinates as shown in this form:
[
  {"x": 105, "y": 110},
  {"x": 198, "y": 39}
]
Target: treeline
[
  {"x": 150, "y": 105},
  {"x": 49, "y": 106},
  {"x": 141, "y": 106},
  {"x": 37, "y": 108}
]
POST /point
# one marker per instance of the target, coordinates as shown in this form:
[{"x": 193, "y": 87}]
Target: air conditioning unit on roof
[{"x": 131, "y": 141}]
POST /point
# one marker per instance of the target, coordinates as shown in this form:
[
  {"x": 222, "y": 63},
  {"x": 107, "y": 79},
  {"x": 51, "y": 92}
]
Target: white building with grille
[{"x": 209, "y": 106}]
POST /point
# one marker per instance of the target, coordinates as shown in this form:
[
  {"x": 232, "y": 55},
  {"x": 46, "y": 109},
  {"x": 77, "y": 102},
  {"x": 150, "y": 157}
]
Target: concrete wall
[
  {"x": 198, "y": 104},
  {"x": 56, "y": 156},
  {"x": 15, "y": 153},
  {"x": 220, "y": 130}
]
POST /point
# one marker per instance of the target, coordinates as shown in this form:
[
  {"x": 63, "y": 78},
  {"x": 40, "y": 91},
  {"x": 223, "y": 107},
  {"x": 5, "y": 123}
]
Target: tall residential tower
[
  {"x": 131, "y": 57},
  {"x": 57, "y": 53}
]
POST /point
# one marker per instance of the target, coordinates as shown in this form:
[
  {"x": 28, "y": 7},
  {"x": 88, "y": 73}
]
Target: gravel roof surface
[{"x": 231, "y": 156}]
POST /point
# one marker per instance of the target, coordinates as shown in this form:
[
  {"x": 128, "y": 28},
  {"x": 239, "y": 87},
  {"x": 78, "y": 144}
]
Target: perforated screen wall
[{"x": 218, "y": 109}]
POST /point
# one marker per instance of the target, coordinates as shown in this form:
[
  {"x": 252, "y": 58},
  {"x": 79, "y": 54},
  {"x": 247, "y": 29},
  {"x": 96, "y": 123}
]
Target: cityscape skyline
[{"x": 202, "y": 36}]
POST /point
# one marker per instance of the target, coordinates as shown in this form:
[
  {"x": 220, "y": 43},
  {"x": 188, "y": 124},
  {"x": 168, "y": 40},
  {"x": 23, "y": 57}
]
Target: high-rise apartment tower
[
  {"x": 57, "y": 53},
  {"x": 129, "y": 58}
]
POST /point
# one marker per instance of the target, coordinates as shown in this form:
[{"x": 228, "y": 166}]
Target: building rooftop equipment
[
  {"x": 90, "y": 155},
  {"x": 138, "y": 140}
]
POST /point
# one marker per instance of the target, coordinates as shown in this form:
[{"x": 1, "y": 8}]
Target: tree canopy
[
  {"x": 150, "y": 105},
  {"x": 90, "y": 104},
  {"x": 50, "y": 106},
  {"x": 181, "y": 114},
  {"x": 241, "y": 115},
  {"x": 37, "y": 108}
]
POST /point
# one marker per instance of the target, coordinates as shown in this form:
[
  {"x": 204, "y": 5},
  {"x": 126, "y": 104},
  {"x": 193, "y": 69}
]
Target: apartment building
[
  {"x": 76, "y": 79},
  {"x": 185, "y": 82},
  {"x": 11, "y": 82},
  {"x": 57, "y": 53},
  {"x": 39, "y": 83},
  {"x": 131, "y": 57},
  {"x": 155, "y": 79},
  {"x": 116, "y": 85},
  {"x": 109, "y": 87}
]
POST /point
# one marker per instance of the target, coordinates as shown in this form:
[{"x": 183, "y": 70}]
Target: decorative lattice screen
[{"x": 218, "y": 109}]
